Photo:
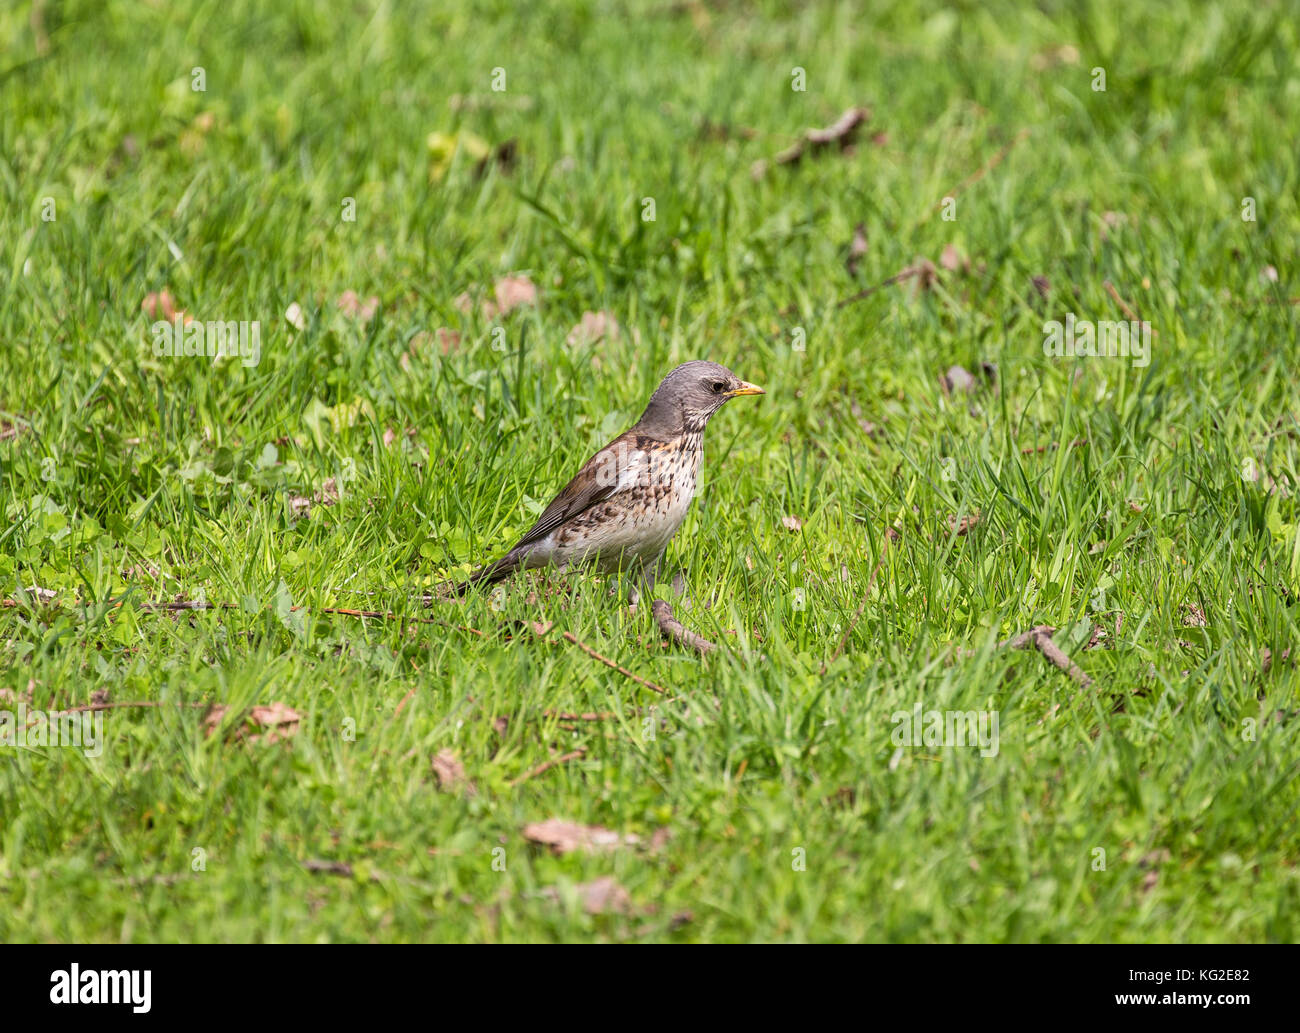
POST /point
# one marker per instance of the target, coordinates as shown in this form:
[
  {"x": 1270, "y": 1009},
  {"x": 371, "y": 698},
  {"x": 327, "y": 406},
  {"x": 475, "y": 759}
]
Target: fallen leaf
[
  {"x": 450, "y": 773},
  {"x": 952, "y": 259},
  {"x": 327, "y": 495},
  {"x": 278, "y": 719},
  {"x": 510, "y": 293},
  {"x": 791, "y": 523},
  {"x": 599, "y": 897},
  {"x": 963, "y": 525},
  {"x": 813, "y": 141},
  {"x": 504, "y": 156},
  {"x": 957, "y": 379},
  {"x": 1057, "y": 54},
  {"x": 514, "y": 291},
  {"x": 857, "y": 248},
  {"x": 566, "y": 836},
  {"x": 594, "y": 326},
  {"x": 351, "y": 305},
  {"x": 161, "y": 305},
  {"x": 1195, "y": 617}
]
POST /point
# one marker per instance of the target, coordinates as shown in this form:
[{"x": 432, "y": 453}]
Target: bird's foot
[{"x": 674, "y": 629}]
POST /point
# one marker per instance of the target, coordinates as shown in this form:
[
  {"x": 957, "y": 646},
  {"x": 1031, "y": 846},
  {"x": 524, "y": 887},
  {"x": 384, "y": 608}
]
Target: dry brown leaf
[
  {"x": 565, "y": 836},
  {"x": 964, "y": 524},
  {"x": 953, "y": 260},
  {"x": 1056, "y": 54},
  {"x": 514, "y": 291},
  {"x": 957, "y": 379},
  {"x": 504, "y": 156},
  {"x": 450, "y": 773},
  {"x": 857, "y": 248},
  {"x": 328, "y": 494},
  {"x": 279, "y": 721},
  {"x": 841, "y": 133},
  {"x": 1195, "y": 617},
  {"x": 510, "y": 293},
  {"x": 593, "y": 327},
  {"x": 602, "y": 896},
  {"x": 351, "y": 305},
  {"x": 161, "y": 305}
]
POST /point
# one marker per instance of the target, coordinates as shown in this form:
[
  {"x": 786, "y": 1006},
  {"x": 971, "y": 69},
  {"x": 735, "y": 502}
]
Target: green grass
[{"x": 126, "y": 476}]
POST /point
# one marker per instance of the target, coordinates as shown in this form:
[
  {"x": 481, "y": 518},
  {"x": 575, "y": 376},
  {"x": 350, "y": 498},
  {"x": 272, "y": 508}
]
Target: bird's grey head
[{"x": 689, "y": 395}]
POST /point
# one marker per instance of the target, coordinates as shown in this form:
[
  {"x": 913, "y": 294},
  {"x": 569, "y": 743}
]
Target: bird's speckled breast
[{"x": 637, "y": 523}]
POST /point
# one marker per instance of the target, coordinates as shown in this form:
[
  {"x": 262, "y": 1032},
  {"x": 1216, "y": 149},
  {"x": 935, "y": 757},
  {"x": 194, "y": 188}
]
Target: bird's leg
[
  {"x": 648, "y": 573},
  {"x": 668, "y": 623}
]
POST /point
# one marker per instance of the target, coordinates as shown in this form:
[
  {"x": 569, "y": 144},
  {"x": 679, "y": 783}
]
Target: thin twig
[
  {"x": 1040, "y": 638},
  {"x": 574, "y": 755},
  {"x": 989, "y": 166},
  {"x": 813, "y": 140},
  {"x": 906, "y": 274},
  {"x": 570, "y": 637},
  {"x": 133, "y": 703},
  {"x": 401, "y": 705},
  {"x": 537, "y": 628},
  {"x": 1126, "y": 308}
]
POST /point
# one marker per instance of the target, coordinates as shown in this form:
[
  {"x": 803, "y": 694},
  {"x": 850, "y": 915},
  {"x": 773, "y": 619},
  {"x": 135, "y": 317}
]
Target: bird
[{"x": 628, "y": 500}]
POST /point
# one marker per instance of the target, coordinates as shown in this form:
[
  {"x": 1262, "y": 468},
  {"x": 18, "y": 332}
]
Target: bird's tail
[{"x": 491, "y": 573}]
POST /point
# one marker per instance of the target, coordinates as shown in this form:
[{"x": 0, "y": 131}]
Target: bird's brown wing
[{"x": 598, "y": 479}]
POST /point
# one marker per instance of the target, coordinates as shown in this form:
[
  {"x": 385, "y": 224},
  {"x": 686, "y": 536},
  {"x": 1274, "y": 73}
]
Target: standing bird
[{"x": 628, "y": 499}]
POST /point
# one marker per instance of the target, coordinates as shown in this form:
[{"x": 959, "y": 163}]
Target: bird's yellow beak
[{"x": 746, "y": 389}]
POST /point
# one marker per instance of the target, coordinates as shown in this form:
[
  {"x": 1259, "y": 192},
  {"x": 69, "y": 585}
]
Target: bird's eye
[{"x": 719, "y": 386}]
